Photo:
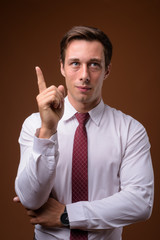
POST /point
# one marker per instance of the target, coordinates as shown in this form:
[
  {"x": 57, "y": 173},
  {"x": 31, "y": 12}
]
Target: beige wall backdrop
[{"x": 30, "y": 35}]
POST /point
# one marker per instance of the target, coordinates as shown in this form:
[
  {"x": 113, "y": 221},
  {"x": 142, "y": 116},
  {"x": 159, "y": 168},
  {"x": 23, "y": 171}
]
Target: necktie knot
[{"x": 82, "y": 118}]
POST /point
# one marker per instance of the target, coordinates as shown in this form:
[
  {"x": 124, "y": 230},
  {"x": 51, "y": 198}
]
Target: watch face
[{"x": 64, "y": 219}]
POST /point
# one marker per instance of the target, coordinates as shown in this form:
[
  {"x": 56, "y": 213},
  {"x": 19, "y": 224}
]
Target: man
[{"x": 119, "y": 171}]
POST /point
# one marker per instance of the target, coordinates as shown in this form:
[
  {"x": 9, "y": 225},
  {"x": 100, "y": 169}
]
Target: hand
[
  {"x": 51, "y": 105},
  {"x": 48, "y": 215}
]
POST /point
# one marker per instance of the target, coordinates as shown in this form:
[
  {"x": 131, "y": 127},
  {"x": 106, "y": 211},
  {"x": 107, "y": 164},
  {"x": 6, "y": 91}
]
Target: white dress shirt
[{"x": 120, "y": 174}]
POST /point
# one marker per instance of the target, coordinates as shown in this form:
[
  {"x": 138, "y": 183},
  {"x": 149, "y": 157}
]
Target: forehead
[{"x": 84, "y": 48}]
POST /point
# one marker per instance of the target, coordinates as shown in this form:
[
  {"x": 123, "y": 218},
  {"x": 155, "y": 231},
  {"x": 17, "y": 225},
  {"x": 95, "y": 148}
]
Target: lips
[{"x": 83, "y": 88}]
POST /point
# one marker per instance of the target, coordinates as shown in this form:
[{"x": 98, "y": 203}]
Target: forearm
[{"x": 121, "y": 209}]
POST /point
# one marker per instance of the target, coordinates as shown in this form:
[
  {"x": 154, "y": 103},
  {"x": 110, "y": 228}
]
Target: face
[{"x": 84, "y": 71}]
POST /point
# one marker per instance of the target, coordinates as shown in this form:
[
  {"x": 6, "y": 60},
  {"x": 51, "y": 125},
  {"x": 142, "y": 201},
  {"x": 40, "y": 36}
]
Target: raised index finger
[{"x": 40, "y": 79}]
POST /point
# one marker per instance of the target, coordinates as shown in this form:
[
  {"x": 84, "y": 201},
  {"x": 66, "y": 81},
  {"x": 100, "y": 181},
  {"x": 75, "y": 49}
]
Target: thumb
[{"x": 61, "y": 89}]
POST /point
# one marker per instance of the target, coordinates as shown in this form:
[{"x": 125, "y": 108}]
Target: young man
[{"x": 119, "y": 179}]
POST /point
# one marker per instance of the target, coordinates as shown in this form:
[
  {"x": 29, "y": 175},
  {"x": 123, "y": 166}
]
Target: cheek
[
  {"x": 71, "y": 77},
  {"x": 98, "y": 87},
  {"x": 69, "y": 73},
  {"x": 69, "y": 81},
  {"x": 97, "y": 80}
]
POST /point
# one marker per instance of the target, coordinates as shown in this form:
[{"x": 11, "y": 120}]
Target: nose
[{"x": 84, "y": 73}]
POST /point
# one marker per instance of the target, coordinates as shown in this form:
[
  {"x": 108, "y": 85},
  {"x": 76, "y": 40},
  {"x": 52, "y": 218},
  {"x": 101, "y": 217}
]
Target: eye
[
  {"x": 95, "y": 65},
  {"x": 75, "y": 64}
]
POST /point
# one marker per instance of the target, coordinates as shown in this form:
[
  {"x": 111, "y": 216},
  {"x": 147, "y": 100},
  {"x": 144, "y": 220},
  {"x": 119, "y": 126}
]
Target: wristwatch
[{"x": 64, "y": 218}]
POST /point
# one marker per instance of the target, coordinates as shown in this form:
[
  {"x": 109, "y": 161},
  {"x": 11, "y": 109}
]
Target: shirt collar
[
  {"x": 69, "y": 110},
  {"x": 95, "y": 114}
]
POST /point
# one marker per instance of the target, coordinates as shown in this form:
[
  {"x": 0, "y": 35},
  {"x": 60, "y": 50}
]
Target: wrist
[
  {"x": 46, "y": 133},
  {"x": 64, "y": 218}
]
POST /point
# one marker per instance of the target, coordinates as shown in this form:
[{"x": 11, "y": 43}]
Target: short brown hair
[{"x": 89, "y": 34}]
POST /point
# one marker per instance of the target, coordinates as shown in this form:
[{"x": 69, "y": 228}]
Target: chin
[{"x": 83, "y": 100}]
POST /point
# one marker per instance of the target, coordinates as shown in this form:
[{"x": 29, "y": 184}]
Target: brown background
[{"x": 30, "y": 35}]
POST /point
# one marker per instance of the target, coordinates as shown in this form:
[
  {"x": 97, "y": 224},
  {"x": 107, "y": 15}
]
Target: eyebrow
[
  {"x": 90, "y": 60},
  {"x": 73, "y": 59},
  {"x": 96, "y": 60}
]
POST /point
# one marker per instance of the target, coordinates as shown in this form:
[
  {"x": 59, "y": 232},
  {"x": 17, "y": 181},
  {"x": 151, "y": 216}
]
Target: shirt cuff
[
  {"x": 46, "y": 147},
  {"x": 76, "y": 215}
]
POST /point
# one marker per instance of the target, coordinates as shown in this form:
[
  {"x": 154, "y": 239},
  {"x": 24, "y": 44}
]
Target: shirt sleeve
[
  {"x": 134, "y": 200},
  {"x": 37, "y": 165}
]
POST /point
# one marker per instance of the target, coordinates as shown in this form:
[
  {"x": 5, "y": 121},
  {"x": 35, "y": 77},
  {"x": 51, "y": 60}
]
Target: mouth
[{"x": 83, "y": 88}]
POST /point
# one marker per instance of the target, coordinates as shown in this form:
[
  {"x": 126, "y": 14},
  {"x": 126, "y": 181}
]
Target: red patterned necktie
[{"x": 80, "y": 169}]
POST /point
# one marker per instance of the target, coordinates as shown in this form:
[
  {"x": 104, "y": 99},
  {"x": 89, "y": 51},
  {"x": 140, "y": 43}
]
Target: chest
[{"x": 105, "y": 149}]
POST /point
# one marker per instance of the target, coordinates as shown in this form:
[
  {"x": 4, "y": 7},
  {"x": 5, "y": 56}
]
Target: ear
[
  {"x": 108, "y": 70},
  {"x": 62, "y": 68}
]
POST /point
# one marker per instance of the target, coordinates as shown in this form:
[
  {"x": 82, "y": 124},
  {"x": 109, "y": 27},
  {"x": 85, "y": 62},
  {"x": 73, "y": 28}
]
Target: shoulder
[
  {"x": 32, "y": 122},
  {"x": 122, "y": 120},
  {"x": 127, "y": 127}
]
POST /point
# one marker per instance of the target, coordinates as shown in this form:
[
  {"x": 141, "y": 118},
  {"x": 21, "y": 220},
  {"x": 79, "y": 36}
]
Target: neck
[{"x": 84, "y": 107}]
